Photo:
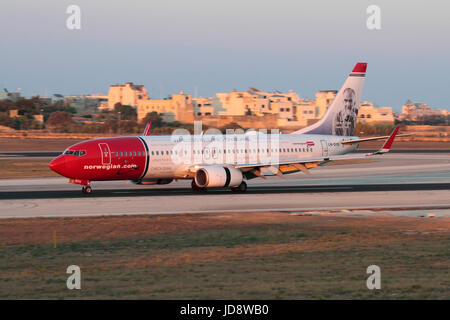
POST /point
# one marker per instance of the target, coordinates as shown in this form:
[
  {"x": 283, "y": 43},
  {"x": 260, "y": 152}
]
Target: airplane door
[
  {"x": 106, "y": 153},
  {"x": 324, "y": 148}
]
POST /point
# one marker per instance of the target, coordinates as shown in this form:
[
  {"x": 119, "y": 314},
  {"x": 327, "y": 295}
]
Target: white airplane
[{"x": 225, "y": 161}]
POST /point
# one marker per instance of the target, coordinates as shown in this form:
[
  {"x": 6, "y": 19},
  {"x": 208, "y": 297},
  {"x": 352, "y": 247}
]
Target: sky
[{"x": 209, "y": 46}]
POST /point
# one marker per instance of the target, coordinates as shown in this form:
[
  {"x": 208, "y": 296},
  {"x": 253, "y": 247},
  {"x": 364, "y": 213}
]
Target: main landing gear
[
  {"x": 86, "y": 189},
  {"x": 240, "y": 188}
]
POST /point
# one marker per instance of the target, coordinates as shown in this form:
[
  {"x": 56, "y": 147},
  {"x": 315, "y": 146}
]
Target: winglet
[
  {"x": 147, "y": 128},
  {"x": 387, "y": 145}
]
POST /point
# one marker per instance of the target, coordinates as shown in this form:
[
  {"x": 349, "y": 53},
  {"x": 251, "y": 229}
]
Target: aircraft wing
[
  {"x": 372, "y": 139},
  {"x": 304, "y": 164}
]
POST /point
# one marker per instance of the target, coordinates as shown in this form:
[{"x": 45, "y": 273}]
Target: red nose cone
[{"x": 58, "y": 165}]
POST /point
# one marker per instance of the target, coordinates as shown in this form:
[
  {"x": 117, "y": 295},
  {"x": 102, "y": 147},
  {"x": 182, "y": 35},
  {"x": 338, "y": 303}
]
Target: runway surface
[{"x": 397, "y": 180}]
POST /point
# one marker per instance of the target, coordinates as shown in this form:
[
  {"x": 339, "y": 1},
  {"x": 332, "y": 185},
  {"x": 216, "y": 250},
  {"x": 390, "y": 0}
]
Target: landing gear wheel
[
  {"x": 86, "y": 189},
  {"x": 196, "y": 188},
  {"x": 240, "y": 188}
]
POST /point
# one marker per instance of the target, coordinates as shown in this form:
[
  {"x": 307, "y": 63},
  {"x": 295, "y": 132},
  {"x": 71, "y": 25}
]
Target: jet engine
[{"x": 212, "y": 176}]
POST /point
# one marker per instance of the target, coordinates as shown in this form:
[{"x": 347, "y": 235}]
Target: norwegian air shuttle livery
[{"x": 224, "y": 161}]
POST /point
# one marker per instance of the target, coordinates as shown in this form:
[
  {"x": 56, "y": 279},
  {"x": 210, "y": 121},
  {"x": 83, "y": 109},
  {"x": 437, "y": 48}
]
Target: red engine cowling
[{"x": 212, "y": 176}]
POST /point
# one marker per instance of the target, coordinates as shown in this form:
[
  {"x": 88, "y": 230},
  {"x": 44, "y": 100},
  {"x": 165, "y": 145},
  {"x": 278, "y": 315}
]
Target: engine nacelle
[
  {"x": 152, "y": 181},
  {"x": 212, "y": 176}
]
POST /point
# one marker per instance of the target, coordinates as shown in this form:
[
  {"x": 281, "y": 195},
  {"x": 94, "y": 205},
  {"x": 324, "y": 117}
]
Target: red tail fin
[{"x": 147, "y": 128}]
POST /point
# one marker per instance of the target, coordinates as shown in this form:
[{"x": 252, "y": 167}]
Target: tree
[
  {"x": 126, "y": 112},
  {"x": 5, "y": 120},
  {"x": 155, "y": 118},
  {"x": 59, "y": 119}
]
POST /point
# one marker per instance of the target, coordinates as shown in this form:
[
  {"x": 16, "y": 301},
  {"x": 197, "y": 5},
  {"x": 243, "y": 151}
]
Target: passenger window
[
  {"x": 157, "y": 153},
  {"x": 121, "y": 153},
  {"x": 134, "y": 153}
]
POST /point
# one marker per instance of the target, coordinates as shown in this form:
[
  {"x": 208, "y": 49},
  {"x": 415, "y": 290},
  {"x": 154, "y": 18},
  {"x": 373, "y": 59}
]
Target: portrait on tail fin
[
  {"x": 340, "y": 117},
  {"x": 345, "y": 120}
]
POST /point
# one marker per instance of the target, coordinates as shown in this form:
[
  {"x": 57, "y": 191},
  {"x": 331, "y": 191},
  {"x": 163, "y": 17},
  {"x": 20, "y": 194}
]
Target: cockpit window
[{"x": 77, "y": 153}]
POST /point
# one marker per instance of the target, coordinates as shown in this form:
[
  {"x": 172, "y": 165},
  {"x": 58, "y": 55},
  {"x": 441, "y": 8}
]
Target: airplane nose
[{"x": 58, "y": 165}]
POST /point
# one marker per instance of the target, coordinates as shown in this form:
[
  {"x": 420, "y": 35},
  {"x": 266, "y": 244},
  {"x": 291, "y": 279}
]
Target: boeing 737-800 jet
[{"x": 225, "y": 161}]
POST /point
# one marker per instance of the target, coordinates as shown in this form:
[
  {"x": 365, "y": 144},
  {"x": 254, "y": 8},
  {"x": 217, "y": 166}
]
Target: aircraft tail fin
[
  {"x": 148, "y": 128},
  {"x": 340, "y": 118}
]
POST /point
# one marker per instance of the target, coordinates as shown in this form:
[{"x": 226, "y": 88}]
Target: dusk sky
[{"x": 170, "y": 46}]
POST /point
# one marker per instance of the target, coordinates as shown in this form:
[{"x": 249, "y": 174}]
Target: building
[
  {"x": 239, "y": 103},
  {"x": 178, "y": 107},
  {"x": 39, "y": 118},
  {"x": 307, "y": 112},
  {"x": 13, "y": 113},
  {"x": 323, "y": 100},
  {"x": 418, "y": 112},
  {"x": 257, "y": 102},
  {"x": 11, "y": 96},
  {"x": 369, "y": 114},
  {"x": 288, "y": 108},
  {"x": 203, "y": 107},
  {"x": 125, "y": 94},
  {"x": 84, "y": 104}
]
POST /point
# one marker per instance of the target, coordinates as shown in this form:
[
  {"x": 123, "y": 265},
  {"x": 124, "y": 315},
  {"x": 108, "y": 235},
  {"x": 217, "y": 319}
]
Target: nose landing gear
[{"x": 86, "y": 189}]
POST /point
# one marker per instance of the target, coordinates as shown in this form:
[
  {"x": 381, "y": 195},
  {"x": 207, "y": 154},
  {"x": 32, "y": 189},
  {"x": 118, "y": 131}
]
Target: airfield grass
[{"x": 233, "y": 256}]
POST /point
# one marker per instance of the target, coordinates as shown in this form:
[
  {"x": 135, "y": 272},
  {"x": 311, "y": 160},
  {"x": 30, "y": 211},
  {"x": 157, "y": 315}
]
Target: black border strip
[
  {"x": 148, "y": 158},
  {"x": 227, "y": 172}
]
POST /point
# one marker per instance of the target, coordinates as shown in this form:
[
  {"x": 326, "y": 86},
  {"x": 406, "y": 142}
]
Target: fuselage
[{"x": 168, "y": 157}]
